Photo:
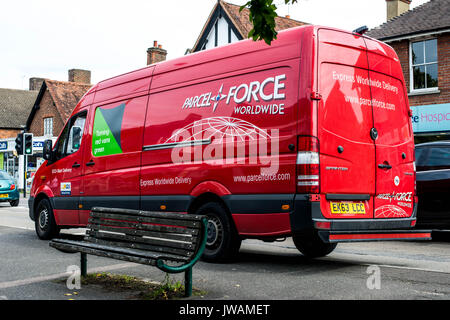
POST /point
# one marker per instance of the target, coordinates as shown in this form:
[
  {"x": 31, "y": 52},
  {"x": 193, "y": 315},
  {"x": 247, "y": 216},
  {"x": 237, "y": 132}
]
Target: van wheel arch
[{"x": 212, "y": 205}]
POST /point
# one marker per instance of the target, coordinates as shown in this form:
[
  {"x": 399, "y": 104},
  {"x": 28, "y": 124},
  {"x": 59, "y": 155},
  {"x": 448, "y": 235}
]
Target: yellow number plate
[
  {"x": 3, "y": 196},
  {"x": 347, "y": 207}
]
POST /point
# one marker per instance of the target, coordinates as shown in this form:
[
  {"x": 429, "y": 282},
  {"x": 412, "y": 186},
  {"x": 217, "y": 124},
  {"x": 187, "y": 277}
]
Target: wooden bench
[{"x": 172, "y": 242}]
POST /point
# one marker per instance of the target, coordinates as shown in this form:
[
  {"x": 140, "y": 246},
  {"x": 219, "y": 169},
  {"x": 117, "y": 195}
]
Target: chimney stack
[
  {"x": 80, "y": 76},
  {"x": 156, "y": 53},
  {"x": 35, "y": 84},
  {"x": 395, "y": 8}
]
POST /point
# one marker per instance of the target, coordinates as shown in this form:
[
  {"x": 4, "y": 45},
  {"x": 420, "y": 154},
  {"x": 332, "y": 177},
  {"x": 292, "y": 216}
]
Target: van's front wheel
[
  {"x": 44, "y": 221},
  {"x": 311, "y": 246},
  {"x": 222, "y": 242}
]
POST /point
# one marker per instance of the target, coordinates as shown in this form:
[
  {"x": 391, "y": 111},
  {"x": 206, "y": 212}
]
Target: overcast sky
[{"x": 46, "y": 38}]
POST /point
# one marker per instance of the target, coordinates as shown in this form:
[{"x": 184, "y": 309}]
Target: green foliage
[
  {"x": 167, "y": 290},
  {"x": 262, "y": 16}
]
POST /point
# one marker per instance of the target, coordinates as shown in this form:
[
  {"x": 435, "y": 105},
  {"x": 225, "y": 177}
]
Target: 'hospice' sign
[{"x": 431, "y": 118}]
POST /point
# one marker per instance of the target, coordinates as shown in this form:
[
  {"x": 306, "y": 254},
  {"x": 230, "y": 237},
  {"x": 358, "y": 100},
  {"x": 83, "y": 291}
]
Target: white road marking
[
  {"x": 406, "y": 268},
  {"x": 15, "y": 227}
]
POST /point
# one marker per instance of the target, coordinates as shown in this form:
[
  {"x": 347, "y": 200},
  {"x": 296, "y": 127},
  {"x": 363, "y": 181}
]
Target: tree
[{"x": 262, "y": 16}]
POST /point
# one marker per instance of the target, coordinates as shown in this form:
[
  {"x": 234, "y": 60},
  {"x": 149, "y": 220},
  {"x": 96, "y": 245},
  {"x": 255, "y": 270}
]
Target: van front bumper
[{"x": 307, "y": 216}]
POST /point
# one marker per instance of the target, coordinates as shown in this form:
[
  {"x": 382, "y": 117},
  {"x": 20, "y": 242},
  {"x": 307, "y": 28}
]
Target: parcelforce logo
[
  {"x": 269, "y": 89},
  {"x": 401, "y": 196}
]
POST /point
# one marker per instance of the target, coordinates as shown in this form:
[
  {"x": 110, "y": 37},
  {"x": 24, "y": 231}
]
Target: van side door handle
[
  {"x": 384, "y": 166},
  {"x": 76, "y": 165},
  {"x": 90, "y": 163}
]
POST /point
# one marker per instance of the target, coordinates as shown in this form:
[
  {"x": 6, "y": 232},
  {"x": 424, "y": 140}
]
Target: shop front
[
  {"x": 431, "y": 122},
  {"x": 14, "y": 164}
]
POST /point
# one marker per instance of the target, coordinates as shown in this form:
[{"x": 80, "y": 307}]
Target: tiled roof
[
  {"x": 243, "y": 24},
  {"x": 66, "y": 95},
  {"x": 15, "y": 106},
  {"x": 428, "y": 17}
]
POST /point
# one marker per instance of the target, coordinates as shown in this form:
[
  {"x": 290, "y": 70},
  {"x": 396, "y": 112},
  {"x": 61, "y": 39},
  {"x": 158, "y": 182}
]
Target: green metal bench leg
[
  {"x": 83, "y": 263},
  {"x": 188, "y": 282}
]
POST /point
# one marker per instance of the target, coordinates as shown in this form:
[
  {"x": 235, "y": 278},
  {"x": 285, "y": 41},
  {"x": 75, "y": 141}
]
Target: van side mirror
[
  {"x": 48, "y": 150},
  {"x": 74, "y": 139}
]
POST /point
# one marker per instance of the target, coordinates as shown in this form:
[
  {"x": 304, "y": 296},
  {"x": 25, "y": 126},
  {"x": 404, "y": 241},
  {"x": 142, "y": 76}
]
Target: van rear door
[
  {"x": 345, "y": 120},
  {"x": 395, "y": 173}
]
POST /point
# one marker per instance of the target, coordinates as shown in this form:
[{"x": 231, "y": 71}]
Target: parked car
[
  {"x": 8, "y": 189},
  {"x": 433, "y": 184}
]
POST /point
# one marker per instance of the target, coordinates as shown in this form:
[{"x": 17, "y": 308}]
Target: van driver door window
[{"x": 66, "y": 171}]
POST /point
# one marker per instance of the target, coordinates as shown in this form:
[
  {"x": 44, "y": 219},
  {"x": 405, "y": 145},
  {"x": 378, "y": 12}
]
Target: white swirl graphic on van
[
  {"x": 227, "y": 140},
  {"x": 220, "y": 128},
  {"x": 390, "y": 211}
]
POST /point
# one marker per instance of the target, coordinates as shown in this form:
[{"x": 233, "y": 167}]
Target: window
[
  {"x": 420, "y": 156},
  {"x": 438, "y": 157},
  {"x": 424, "y": 66},
  {"x": 70, "y": 140},
  {"x": 48, "y": 126}
]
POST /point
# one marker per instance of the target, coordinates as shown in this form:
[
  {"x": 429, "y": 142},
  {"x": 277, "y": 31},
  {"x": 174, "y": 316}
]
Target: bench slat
[
  {"x": 144, "y": 233},
  {"x": 141, "y": 246},
  {"x": 162, "y": 221},
  {"x": 156, "y": 214},
  {"x": 173, "y": 240},
  {"x": 140, "y": 226},
  {"x": 132, "y": 238},
  {"x": 108, "y": 250},
  {"x": 123, "y": 242},
  {"x": 144, "y": 230}
]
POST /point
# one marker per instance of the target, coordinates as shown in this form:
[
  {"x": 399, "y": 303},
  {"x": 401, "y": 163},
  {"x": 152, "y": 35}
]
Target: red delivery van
[{"x": 310, "y": 137}]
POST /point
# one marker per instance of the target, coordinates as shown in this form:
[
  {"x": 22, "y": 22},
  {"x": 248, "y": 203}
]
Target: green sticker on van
[{"x": 107, "y": 130}]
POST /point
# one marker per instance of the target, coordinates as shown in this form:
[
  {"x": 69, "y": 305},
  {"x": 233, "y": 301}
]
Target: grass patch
[{"x": 166, "y": 290}]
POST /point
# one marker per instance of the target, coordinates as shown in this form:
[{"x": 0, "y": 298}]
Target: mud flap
[{"x": 373, "y": 235}]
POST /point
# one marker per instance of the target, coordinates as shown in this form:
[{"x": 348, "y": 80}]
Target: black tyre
[
  {"x": 222, "y": 242},
  {"x": 14, "y": 203},
  {"x": 44, "y": 221},
  {"x": 311, "y": 246}
]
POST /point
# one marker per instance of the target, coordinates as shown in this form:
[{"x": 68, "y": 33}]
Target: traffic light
[
  {"x": 19, "y": 143},
  {"x": 28, "y": 143}
]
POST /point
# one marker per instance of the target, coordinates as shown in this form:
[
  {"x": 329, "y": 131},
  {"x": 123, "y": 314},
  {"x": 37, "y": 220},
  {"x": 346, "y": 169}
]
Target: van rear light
[{"x": 308, "y": 175}]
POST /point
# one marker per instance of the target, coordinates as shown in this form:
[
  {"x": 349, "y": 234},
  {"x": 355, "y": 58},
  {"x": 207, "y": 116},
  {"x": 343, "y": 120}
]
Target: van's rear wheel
[
  {"x": 44, "y": 221},
  {"x": 311, "y": 246},
  {"x": 222, "y": 243}
]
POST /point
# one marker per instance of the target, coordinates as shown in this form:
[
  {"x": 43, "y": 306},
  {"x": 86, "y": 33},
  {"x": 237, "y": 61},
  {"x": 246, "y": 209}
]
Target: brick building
[
  {"x": 421, "y": 38},
  {"x": 50, "y": 110},
  {"x": 55, "y": 102}
]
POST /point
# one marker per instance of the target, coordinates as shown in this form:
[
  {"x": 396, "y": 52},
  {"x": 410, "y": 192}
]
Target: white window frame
[
  {"x": 48, "y": 127},
  {"x": 411, "y": 68}
]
